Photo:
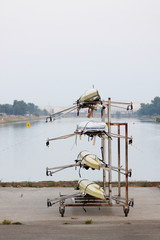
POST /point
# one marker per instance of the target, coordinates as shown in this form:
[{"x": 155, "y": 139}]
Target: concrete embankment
[{"x": 28, "y": 206}]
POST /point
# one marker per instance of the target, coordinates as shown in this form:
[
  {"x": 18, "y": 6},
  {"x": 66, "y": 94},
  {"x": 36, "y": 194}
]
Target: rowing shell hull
[
  {"x": 89, "y": 160},
  {"x": 91, "y": 188},
  {"x": 90, "y": 96},
  {"x": 91, "y": 126}
]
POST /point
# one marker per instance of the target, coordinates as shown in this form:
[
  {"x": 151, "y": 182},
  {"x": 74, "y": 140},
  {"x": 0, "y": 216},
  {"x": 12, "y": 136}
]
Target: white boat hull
[{"x": 91, "y": 126}]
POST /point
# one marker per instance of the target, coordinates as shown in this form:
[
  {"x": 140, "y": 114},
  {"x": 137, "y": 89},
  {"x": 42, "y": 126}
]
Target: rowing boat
[
  {"x": 91, "y": 126},
  {"x": 90, "y": 96},
  {"x": 91, "y": 188},
  {"x": 89, "y": 160}
]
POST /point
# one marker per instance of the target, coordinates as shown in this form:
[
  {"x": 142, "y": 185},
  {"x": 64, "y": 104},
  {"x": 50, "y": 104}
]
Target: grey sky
[{"x": 51, "y": 51}]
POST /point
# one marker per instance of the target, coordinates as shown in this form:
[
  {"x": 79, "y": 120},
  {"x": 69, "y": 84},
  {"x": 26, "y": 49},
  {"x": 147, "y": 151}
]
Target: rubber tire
[
  {"x": 61, "y": 210},
  {"x": 126, "y": 211}
]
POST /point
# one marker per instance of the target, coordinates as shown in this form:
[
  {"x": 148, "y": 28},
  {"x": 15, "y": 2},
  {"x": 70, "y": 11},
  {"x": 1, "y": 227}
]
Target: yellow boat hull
[
  {"x": 89, "y": 160},
  {"x": 90, "y": 96},
  {"x": 91, "y": 188}
]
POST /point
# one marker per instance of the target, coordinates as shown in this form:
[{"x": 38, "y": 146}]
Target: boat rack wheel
[
  {"x": 62, "y": 208},
  {"x": 62, "y": 211},
  {"x": 131, "y": 203},
  {"x": 126, "y": 210},
  {"x": 49, "y": 204}
]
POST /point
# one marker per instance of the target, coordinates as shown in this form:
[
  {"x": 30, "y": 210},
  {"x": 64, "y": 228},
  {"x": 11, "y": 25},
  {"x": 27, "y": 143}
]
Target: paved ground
[{"x": 28, "y": 206}]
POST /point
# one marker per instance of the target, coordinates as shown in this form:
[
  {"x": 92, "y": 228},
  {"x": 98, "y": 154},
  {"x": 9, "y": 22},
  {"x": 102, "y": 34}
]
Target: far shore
[
  {"x": 12, "y": 119},
  {"x": 41, "y": 184}
]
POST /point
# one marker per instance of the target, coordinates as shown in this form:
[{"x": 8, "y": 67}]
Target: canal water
[{"x": 24, "y": 155}]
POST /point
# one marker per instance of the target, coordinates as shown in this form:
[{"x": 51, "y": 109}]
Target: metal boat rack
[{"x": 79, "y": 200}]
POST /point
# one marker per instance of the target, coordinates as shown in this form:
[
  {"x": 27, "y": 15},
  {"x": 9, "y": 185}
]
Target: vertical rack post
[
  {"x": 104, "y": 152},
  {"x": 119, "y": 177},
  {"x": 109, "y": 152},
  {"x": 126, "y": 160}
]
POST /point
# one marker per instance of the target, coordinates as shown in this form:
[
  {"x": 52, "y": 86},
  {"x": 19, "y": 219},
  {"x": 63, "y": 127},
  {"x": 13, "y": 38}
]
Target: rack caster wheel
[
  {"x": 126, "y": 211},
  {"x": 49, "y": 203},
  {"x": 62, "y": 211},
  {"x": 131, "y": 203}
]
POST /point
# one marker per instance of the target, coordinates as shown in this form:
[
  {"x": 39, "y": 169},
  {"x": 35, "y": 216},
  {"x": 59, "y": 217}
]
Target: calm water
[{"x": 24, "y": 155}]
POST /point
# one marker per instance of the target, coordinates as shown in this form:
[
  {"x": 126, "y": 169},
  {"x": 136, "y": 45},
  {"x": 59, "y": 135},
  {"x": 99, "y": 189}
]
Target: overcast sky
[{"x": 51, "y": 51}]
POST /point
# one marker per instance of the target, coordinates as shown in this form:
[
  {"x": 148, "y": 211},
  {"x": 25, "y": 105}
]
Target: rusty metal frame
[{"x": 126, "y": 161}]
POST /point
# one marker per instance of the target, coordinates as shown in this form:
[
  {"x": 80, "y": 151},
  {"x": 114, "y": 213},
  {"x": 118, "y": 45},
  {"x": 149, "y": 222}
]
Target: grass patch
[
  {"x": 17, "y": 223},
  {"x": 72, "y": 184},
  {"x": 88, "y": 221},
  {"x": 144, "y": 184},
  {"x": 127, "y": 223},
  {"x": 66, "y": 223},
  {"x": 29, "y": 184},
  {"x": 6, "y": 222},
  {"x": 3, "y": 184}
]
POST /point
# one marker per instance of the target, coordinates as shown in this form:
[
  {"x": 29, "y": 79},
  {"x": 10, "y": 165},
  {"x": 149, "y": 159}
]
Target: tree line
[
  {"x": 22, "y": 108},
  {"x": 152, "y": 109}
]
